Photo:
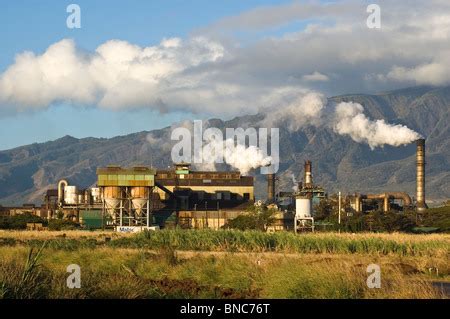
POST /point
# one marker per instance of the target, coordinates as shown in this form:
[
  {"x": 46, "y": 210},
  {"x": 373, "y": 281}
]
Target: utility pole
[
  {"x": 339, "y": 212},
  {"x": 206, "y": 211},
  {"x": 103, "y": 210}
]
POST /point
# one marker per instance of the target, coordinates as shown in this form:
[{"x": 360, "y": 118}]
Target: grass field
[{"x": 222, "y": 264}]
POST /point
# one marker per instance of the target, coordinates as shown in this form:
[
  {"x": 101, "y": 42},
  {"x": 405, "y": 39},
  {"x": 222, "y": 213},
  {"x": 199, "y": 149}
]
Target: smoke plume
[
  {"x": 239, "y": 156},
  {"x": 350, "y": 120},
  {"x": 345, "y": 118},
  {"x": 294, "y": 181},
  {"x": 300, "y": 110}
]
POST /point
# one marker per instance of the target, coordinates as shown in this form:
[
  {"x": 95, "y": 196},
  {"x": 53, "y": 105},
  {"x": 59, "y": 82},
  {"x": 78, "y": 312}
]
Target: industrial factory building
[
  {"x": 143, "y": 197},
  {"x": 297, "y": 207},
  {"x": 399, "y": 200},
  {"x": 302, "y": 202},
  {"x": 129, "y": 199}
]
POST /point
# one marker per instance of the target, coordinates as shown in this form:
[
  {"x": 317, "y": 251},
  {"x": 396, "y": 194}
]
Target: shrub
[
  {"x": 257, "y": 218},
  {"x": 62, "y": 224},
  {"x": 376, "y": 221},
  {"x": 436, "y": 217},
  {"x": 20, "y": 221}
]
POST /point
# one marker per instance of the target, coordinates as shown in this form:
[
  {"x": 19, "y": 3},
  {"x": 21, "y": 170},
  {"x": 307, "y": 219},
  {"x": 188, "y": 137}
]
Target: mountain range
[{"x": 339, "y": 163}]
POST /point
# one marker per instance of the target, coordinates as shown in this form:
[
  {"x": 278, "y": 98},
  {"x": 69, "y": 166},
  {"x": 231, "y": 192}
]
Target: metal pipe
[
  {"x": 400, "y": 195},
  {"x": 60, "y": 190},
  {"x": 385, "y": 197}
]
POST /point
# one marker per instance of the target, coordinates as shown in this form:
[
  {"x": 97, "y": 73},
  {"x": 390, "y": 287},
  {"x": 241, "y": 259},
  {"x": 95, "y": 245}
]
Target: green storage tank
[{"x": 91, "y": 219}]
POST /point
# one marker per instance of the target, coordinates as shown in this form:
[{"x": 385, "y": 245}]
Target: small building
[{"x": 35, "y": 226}]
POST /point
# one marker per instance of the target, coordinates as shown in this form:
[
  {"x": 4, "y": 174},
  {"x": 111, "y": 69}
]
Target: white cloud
[
  {"x": 58, "y": 74},
  {"x": 277, "y": 15},
  {"x": 117, "y": 75},
  {"x": 435, "y": 73},
  {"x": 316, "y": 77},
  {"x": 335, "y": 53}
]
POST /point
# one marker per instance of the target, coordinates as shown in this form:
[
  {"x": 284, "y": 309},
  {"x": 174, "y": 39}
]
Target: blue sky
[{"x": 34, "y": 25}]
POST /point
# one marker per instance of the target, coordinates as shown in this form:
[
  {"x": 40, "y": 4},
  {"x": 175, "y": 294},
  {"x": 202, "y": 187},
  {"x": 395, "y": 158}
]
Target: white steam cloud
[
  {"x": 345, "y": 118},
  {"x": 301, "y": 110},
  {"x": 239, "y": 156},
  {"x": 294, "y": 181},
  {"x": 350, "y": 120}
]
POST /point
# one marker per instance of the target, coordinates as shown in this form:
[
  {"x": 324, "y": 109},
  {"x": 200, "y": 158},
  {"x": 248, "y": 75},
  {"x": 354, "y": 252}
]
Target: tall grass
[
  {"x": 233, "y": 241},
  {"x": 342, "y": 279},
  {"x": 133, "y": 273},
  {"x": 24, "y": 282},
  {"x": 243, "y": 241}
]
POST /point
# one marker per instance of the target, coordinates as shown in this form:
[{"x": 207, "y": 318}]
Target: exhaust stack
[
  {"x": 420, "y": 160},
  {"x": 271, "y": 187},
  {"x": 308, "y": 176}
]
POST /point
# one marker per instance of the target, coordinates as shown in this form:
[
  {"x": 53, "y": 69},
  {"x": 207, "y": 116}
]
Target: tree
[
  {"x": 324, "y": 209},
  {"x": 256, "y": 218},
  {"x": 62, "y": 224}
]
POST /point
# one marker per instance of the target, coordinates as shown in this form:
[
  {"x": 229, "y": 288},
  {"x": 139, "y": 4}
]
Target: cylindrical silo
[
  {"x": 303, "y": 207},
  {"x": 70, "y": 195},
  {"x": 95, "y": 194},
  {"x": 112, "y": 196},
  {"x": 139, "y": 198}
]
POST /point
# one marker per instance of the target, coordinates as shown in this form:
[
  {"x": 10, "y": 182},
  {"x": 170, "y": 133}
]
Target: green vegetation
[
  {"x": 165, "y": 273},
  {"x": 62, "y": 224},
  {"x": 20, "y": 221},
  {"x": 257, "y": 218},
  {"x": 232, "y": 240},
  {"x": 220, "y": 264},
  {"x": 432, "y": 220},
  {"x": 29, "y": 283},
  {"x": 436, "y": 217},
  {"x": 376, "y": 222},
  {"x": 254, "y": 241}
]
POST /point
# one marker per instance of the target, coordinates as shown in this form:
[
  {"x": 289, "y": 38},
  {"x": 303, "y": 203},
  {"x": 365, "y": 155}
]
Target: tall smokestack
[
  {"x": 308, "y": 175},
  {"x": 420, "y": 158},
  {"x": 271, "y": 188}
]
